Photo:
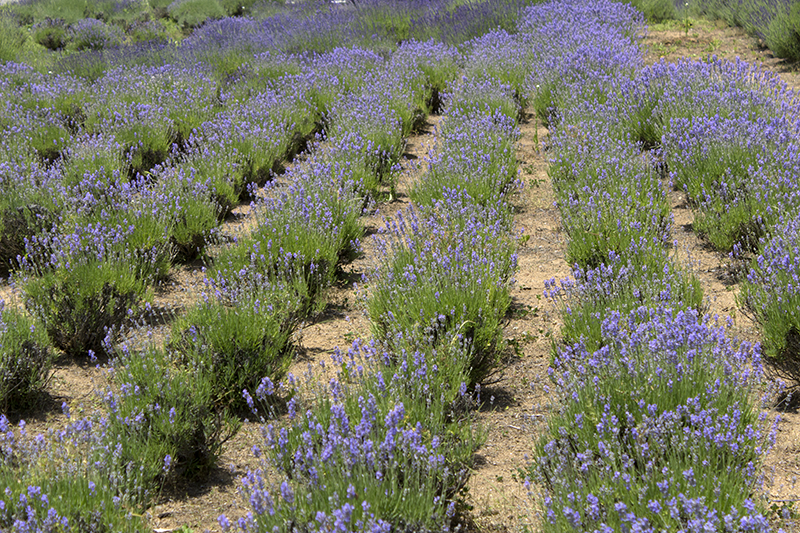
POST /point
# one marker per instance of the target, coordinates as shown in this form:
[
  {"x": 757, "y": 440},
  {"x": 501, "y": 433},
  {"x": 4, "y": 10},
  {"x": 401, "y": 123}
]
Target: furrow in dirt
[
  {"x": 343, "y": 320},
  {"x": 516, "y": 401}
]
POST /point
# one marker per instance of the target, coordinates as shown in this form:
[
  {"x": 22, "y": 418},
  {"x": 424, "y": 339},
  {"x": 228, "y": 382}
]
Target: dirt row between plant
[{"x": 516, "y": 402}]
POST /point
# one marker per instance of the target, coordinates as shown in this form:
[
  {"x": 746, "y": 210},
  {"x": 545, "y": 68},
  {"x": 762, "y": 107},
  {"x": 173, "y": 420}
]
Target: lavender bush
[
  {"x": 193, "y": 216},
  {"x": 67, "y": 479},
  {"x": 444, "y": 281},
  {"x": 770, "y": 293},
  {"x": 302, "y": 235},
  {"x": 25, "y": 360},
  {"x": 50, "y": 33},
  {"x": 84, "y": 284},
  {"x": 476, "y": 152},
  {"x": 642, "y": 275},
  {"x": 25, "y": 209},
  {"x": 164, "y": 416},
  {"x": 609, "y": 198},
  {"x": 93, "y": 34},
  {"x": 385, "y": 445},
  {"x": 232, "y": 347},
  {"x": 656, "y": 430},
  {"x": 783, "y": 32},
  {"x": 368, "y": 132}
]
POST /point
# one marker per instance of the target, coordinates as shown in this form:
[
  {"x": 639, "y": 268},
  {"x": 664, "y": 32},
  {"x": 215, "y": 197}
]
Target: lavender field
[{"x": 321, "y": 267}]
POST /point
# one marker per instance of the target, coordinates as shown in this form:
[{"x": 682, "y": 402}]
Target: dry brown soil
[{"x": 515, "y": 399}]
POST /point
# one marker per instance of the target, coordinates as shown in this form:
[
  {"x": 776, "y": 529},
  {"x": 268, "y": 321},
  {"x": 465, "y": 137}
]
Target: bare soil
[{"x": 515, "y": 400}]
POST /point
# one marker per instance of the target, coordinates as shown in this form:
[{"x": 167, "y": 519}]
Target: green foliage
[
  {"x": 389, "y": 20},
  {"x": 48, "y": 141},
  {"x": 656, "y": 10},
  {"x": 25, "y": 360},
  {"x": 24, "y": 213},
  {"x": 783, "y": 32},
  {"x": 232, "y": 347},
  {"x": 52, "y": 37},
  {"x": 192, "y": 13},
  {"x": 238, "y": 8},
  {"x": 196, "y": 219},
  {"x": 166, "y": 416},
  {"x": 82, "y": 306},
  {"x": 122, "y": 14},
  {"x": 70, "y": 11}
]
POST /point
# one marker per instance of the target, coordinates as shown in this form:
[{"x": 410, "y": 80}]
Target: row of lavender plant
[
  {"x": 658, "y": 425},
  {"x": 171, "y": 409},
  {"x": 386, "y": 444},
  {"x": 726, "y": 135}
]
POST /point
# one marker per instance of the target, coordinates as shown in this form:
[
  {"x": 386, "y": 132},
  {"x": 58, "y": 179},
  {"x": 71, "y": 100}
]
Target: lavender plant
[
  {"x": 444, "y": 281},
  {"x": 384, "y": 445},
  {"x": 476, "y": 157},
  {"x": 439, "y": 62},
  {"x": 67, "y": 479},
  {"x": 302, "y": 235},
  {"x": 93, "y": 34},
  {"x": 25, "y": 360},
  {"x": 50, "y": 33},
  {"x": 770, "y": 293},
  {"x": 641, "y": 275},
  {"x": 193, "y": 216},
  {"x": 502, "y": 56},
  {"x": 258, "y": 133},
  {"x": 368, "y": 132},
  {"x": 657, "y": 429},
  {"x": 192, "y": 13},
  {"x": 145, "y": 132},
  {"x": 83, "y": 285},
  {"x": 783, "y": 32},
  {"x": 576, "y": 61},
  {"x": 736, "y": 174},
  {"x": 13, "y": 37},
  {"x": 609, "y": 198},
  {"x": 164, "y": 416},
  {"x": 93, "y": 158},
  {"x": 26, "y": 210},
  {"x": 232, "y": 347}
]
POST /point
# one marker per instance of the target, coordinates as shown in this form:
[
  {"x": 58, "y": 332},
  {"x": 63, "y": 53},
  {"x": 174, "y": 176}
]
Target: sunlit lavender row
[{"x": 658, "y": 426}]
